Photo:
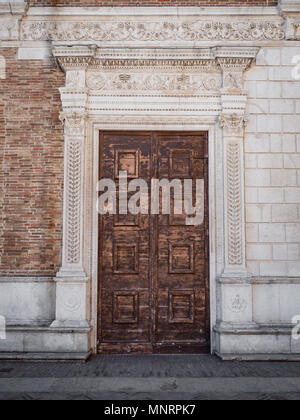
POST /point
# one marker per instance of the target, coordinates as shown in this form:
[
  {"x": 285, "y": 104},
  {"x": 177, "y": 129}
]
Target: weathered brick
[{"x": 31, "y": 159}]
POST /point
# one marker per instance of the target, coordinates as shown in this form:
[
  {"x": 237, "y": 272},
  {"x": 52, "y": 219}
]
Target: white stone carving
[
  {"x": 9, "y": 29},
  {"x": 233, "y": 119},
  {"x": 293, "y": 28},
  {"x": 234, "y": 205},
  {"x": 238, "y": 304},
  {"x": 74, "y": 136},
  {"x": 75, "y": 79},
  {"x": 74, "y": 124},
  {"x": 73, "y": 201},
  {"x": 160, "y": 31},
  {"x": 152, "y": 82},
  {"x": 73, "y": 301},
  {"x": 233, "y": 124}
]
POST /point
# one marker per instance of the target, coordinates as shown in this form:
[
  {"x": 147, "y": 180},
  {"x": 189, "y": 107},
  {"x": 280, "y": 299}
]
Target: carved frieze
[
  {"x": 153, "y": 82},
  {"x": 159, "y": 31}
]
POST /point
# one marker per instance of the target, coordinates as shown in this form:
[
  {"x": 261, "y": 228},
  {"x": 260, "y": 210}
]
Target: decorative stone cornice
[
  {"x": 234, "y": 64},
  {"x": 96, "y": 77},
  {"x": 159, "y": 69},
  {"x": 132, "y": 25},
  {"x": 73, "y": 58}
]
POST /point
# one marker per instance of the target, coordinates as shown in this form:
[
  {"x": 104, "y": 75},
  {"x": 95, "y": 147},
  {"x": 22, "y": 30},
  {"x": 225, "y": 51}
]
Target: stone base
[
  {"x": 260, "y": 343},
  {"x": 45, "y": 343},
  {"x": 44, "y": 357},
  {"x": 259, "y": 357}
]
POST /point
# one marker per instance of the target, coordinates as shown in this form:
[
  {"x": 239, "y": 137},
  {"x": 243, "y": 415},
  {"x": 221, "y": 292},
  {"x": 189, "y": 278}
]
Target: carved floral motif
[
  {"x": 148, "y": 82},
  {"x": 74, "y": 124},
  {"x": 233, "y": 123},
  {"x": 74, "y": 134},
  {"x": 234, "y": 204},
  {"x": 152, "y": 31}
]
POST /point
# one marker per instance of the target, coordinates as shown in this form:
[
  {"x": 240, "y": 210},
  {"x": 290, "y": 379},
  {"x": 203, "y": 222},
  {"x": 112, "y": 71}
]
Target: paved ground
[{"x": 151, "y": 378}]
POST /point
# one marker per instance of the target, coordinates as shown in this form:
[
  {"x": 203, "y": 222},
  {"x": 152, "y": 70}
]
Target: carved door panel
[
  {"x": 125, "y": 292},
  {"x": 153, "y": 269},
  {"x": 182, "y": 252}
]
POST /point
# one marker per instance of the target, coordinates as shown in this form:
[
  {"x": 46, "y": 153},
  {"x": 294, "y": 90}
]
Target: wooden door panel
[
  {"x": 124, "y": 251},
  {"x": 181, "y": 316},
  {"x": 153, "y": 269}
]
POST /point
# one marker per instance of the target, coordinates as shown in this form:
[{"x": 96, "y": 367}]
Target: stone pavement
[{"x": 153, "y": 377}]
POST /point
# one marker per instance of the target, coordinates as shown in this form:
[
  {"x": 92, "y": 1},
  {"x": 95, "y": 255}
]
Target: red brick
[{"x": 31, "y": 159}]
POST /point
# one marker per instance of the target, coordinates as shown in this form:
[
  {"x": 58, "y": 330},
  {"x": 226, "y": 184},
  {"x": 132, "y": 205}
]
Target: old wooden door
[{"x": 153, "y": 269}]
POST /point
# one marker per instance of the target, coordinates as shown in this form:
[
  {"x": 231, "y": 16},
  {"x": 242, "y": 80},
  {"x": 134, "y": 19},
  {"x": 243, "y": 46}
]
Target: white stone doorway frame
[
  {"x": 158, "y": 124},
  {"x": 153, "y": 90}
]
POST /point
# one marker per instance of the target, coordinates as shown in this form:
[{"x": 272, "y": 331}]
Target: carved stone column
[
  {"x": 233, "y": 119},
  {"x": 235, "y": 292},
  {"x": 71, "y": 280}
]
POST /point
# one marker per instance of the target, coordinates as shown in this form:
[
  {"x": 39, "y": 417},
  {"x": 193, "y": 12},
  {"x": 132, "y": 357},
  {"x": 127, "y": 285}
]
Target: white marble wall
[{"x": 273, "y": 165}]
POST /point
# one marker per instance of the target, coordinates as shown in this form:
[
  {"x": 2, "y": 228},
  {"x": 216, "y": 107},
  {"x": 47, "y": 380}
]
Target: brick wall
[
  {"x": 31, "y": 159},
  {"x": 153, "y": 2},
  {"x": 273, "y": 165}
]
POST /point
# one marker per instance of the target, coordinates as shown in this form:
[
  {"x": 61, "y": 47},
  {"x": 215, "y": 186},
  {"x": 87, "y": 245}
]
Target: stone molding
[
  {"x": 289, "y": 6},
  {"x": 137, "y": 25}
]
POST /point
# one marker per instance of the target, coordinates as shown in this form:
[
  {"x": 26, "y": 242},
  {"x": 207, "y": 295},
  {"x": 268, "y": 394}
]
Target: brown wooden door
[{"x": 153, "y": 269}]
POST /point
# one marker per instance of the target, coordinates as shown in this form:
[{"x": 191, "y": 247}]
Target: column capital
[
  {"x": 234, "y": 62},
  {"x": 233, "y": 124},
  {"x": 74, "y": 123},
  {"x": 75, "y": 57}
]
